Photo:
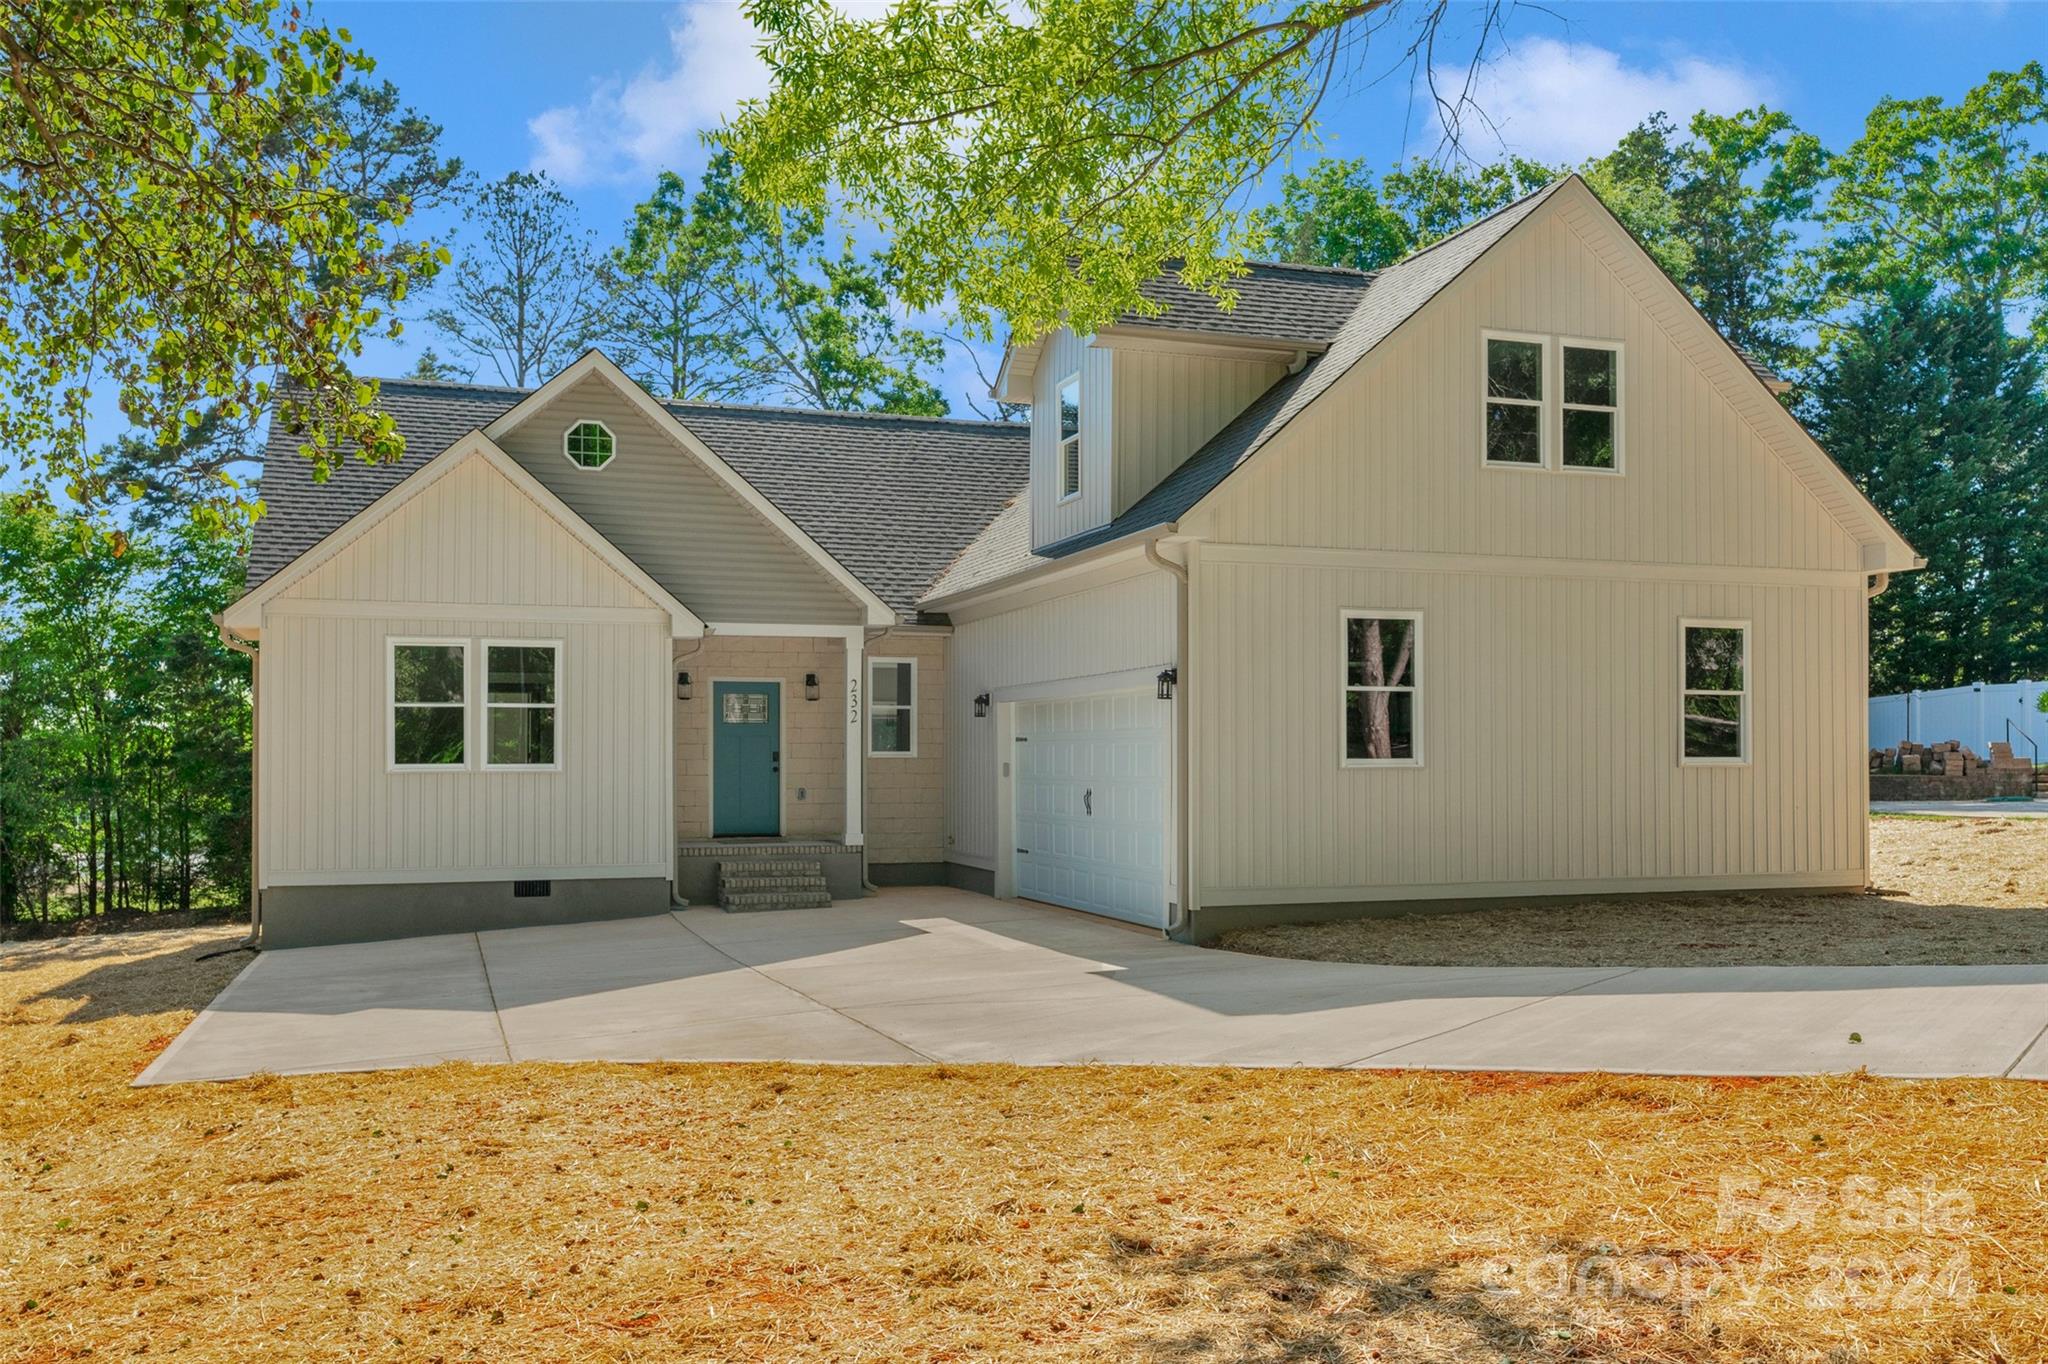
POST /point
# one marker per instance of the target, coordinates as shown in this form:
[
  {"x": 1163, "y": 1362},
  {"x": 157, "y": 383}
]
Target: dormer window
[
  {"x": 1070, "y": 438},
  {"x": 589, "y": 445}
]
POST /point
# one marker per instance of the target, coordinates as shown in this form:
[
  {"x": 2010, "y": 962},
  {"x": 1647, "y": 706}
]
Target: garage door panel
[{"x": 1091, "y": 803}]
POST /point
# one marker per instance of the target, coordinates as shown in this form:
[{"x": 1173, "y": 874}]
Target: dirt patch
[
  {"x": 1947, "y": 892},
  {"x": 793, "y": 1213}
]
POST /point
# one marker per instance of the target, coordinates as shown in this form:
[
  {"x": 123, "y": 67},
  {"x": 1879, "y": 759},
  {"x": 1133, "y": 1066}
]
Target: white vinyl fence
[{"x": 1979, "y": 715}]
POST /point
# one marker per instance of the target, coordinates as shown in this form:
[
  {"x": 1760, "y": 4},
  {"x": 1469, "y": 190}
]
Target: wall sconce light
[
  {"x": 981, "y": 706},
  {"x": 810, "y": 686},
  {"x": 682, "y": 686},
  {"x": 1167, "y": 680}
]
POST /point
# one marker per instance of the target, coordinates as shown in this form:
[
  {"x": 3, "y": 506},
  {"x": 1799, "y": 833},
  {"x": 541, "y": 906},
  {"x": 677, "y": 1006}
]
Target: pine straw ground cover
[
  {"x": 1947, "y": 892},
  {"x": 611, "y": 1212}
]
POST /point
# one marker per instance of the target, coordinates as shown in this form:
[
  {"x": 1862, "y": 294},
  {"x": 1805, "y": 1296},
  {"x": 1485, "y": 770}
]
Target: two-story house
[{"x": 1496, "y": 574}]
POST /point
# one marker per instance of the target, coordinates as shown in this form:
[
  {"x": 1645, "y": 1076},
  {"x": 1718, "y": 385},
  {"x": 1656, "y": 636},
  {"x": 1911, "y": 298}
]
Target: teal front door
[{"x": 746, "y": 758}]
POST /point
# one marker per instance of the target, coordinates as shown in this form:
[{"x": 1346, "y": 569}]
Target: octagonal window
[{"x": 589, "y": 445}]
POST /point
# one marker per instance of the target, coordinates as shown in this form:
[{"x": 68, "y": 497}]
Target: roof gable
[
  {"x": 596, "y": 368},
  {"x": 892, "y": 498},
  {"x": 446, "y": 468},
  {"x": 1397, "y": 294}
]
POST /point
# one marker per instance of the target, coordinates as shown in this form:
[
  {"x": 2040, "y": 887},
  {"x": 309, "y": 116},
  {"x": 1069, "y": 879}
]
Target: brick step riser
[
  {"x": 785, "y": 867},
  {"x": 743, "y": 884},
  {"x": 750, "y": 904}
]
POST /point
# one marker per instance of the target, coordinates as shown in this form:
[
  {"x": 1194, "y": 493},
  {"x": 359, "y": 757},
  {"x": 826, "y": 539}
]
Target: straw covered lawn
[
  {"x": 612, "y": 1212},
  {"x": 1945, "y": 892}
]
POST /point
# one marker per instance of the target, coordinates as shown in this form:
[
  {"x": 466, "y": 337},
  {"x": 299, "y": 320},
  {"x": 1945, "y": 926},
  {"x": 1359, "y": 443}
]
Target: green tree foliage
[
  {"x": 124, "y": 722},
  {"x": 1951, "y": 193},
  {"x": 525, "y": 298},
  {"x": 1722, "y": 210},
  {"x": 1339, "y": 213},
  {"x": 736, "y": 299},
  {"x": 1037, "y": 162},
  {"x": 670, "y": 321},
  {"x": 175, "y": 230},
  {"x": 1939, "y": 414}
]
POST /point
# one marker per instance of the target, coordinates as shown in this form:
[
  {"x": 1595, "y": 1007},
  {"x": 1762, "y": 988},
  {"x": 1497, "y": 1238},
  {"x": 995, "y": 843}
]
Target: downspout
[
  {"x": 1183, "y": 852},
  {"x": 244, "y": 647},
  {"x": 1878, "y": 583}
]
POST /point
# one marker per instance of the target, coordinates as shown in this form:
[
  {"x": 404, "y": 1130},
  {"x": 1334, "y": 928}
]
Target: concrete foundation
[
  {"x": 960, "y": 876},
  {"x": 317, "y": 916}
]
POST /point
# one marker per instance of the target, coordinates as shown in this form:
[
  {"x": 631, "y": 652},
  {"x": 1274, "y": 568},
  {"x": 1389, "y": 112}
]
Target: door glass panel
[{"x": 746, "y": 708}]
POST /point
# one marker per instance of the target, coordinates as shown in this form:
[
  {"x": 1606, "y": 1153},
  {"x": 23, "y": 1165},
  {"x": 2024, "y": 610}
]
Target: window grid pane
[
  {"x": 590, "y": 445},
  {"x": 1714, "y": 694},
  {"x": 519, "y": 705},
  {"x": 1380, "y": 681}
]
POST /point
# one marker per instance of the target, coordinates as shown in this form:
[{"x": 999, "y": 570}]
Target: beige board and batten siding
[
  {"x": 1389, "y": 458},
  {"x": 1052, "y": 516},
  {"x": 671, "y": 516},
  {"x": 1168, "y": 404},
  {"x": 1551, "y": 604},
  {"x": 470, "y": 558},
  {"x": 906, "y": 815},
  {"x": 1121, "y": 619},
  {"x": 813, "y": 748},
  {"x": 1549, "y": 738}
]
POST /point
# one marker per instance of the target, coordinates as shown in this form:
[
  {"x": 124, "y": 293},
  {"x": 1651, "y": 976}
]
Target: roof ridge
[
  {"x": 765, "y": 408},
  {"x": 772, "y": 410}
]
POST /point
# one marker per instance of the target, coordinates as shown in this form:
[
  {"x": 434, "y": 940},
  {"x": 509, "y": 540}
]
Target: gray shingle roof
[
  {"x": 1396, "y": 294},
  {"x": 893, "y": 499},
  {"x": 1304, "y": 303}
]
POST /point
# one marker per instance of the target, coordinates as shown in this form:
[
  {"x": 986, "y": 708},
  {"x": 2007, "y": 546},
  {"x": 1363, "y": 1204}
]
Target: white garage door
[{"x": 1091, "y": 803}]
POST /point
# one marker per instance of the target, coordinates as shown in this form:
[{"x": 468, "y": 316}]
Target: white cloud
[
  {"x": 631, "y": 127},
  {"x": 1563, "y": 102}
]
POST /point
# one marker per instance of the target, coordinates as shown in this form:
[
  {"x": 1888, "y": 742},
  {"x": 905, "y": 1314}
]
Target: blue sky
[{"x": 603, "y": 95}]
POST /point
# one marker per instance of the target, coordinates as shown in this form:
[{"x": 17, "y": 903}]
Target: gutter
[{"x": 1079, "y": 558}]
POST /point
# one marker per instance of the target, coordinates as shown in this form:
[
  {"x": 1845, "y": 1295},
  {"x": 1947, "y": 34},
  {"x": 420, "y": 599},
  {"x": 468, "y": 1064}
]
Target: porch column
[{"x": 856, "y": 750}]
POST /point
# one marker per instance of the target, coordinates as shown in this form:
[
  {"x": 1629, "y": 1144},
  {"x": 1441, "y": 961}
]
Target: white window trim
[
  {"x": 1620, "y": 397},
  {"x": 1059, "y": 444},
  {"x": 485, "y": 705},
  {"x": 1686, "y": 623},
  {"x": 1344, "y": 687},
  {"x": 574, "y": 462},
  {"x": 874, "y": 706},
  {"x": 392, "y": 644},
  {"x": 1544, "y": 405}
]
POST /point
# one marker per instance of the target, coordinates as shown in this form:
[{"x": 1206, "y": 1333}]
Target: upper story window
[
  {"x": 1070, "y": 437},
  {"x": 429, "y": 711},
  {"x": 1514, "y": 400},
  {"x": 589, "y": 445},
  {"x": 892, "y": 707},
  {"x": 1543, "y": 394},
  {"x": 1592, "y": 405}
]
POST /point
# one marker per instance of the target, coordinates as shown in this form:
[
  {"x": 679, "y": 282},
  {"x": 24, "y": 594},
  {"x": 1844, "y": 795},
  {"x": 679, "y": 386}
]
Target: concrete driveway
[{"x": 919, "y": 975}]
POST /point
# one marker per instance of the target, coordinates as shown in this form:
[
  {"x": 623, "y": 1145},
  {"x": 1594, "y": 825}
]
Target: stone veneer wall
[
  {"x": 813, "y": 732},
  {"x": 906, "y": 816},
  {"x": 1981, "y": 784}
]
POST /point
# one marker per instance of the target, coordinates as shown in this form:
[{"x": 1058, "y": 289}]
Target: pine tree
[{"x": 1939, "y": 415}]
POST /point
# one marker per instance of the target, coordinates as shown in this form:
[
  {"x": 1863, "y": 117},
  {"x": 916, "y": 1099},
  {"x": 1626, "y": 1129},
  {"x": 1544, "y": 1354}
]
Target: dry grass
[
  {"x": 790, "y": 1213},
  {"x": 1947, "y": 892}
]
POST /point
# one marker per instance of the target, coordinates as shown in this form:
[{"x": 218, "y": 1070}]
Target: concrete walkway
[
  {"x": 940, "y": 975},
  {"x": 1964, "y": 809}
]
